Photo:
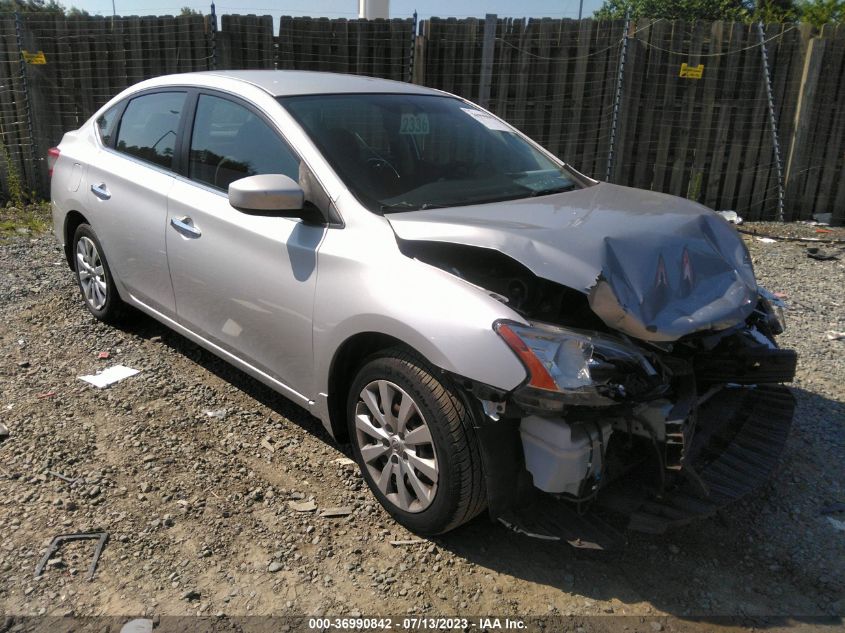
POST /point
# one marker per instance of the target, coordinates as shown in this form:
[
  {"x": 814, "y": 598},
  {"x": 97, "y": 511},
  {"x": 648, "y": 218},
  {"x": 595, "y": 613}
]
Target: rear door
[
  {"x": 244, "y": 282},
  {"x": 128, "y": 183}
]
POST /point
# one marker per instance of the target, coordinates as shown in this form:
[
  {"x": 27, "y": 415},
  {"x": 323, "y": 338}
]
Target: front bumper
[{"x": 740, "y": 434}]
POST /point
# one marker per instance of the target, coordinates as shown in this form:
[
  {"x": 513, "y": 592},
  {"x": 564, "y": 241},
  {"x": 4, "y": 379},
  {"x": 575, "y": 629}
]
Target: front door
[{"x": 244, "y": 282}]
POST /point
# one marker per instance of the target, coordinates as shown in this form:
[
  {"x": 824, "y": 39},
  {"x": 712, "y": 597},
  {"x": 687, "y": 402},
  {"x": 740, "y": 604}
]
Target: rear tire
[
  {"x": 94, "y": 278},
  {"x": 419, "y": 455}
]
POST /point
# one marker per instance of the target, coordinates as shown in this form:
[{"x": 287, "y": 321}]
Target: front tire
[
  {"x": 414, "y": 441},
  {"x": 94, "y": 277}
]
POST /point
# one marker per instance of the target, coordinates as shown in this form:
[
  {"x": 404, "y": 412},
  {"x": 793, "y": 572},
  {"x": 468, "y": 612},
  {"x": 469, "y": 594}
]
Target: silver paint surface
[
  {"x": 278, "y": 298},
  {"x": 654, "y": 266}
]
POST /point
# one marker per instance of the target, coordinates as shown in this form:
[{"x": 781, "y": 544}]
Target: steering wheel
[{"x": 377, "y": 162}]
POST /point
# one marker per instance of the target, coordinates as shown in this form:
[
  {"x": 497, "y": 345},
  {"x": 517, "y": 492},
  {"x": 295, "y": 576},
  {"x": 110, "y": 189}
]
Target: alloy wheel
[
  {"x": 396, "y": 445},
  {"x": 92, "y": 275}
]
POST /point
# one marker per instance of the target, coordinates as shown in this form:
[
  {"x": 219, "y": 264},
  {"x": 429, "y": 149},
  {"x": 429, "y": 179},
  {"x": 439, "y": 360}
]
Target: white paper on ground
[{"x": 110, "y": 376}]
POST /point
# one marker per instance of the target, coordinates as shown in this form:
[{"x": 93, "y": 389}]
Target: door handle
[
  {"x": 101, "y": 191},
  {"x": 185, "y": 226}
]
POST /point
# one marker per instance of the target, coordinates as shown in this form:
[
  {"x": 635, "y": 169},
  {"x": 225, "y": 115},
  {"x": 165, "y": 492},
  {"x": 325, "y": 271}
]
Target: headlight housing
[{"x": 576, "y": 367}]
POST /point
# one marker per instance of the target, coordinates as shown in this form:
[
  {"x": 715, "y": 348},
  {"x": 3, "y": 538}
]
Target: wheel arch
[
  {"x": 73, "y": 219},
  {"x": 344, "y": 365}
]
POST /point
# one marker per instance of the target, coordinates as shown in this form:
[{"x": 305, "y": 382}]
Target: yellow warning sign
[
  {"x": 34, "y": 58},
  {"x": 691, "y": 72}
]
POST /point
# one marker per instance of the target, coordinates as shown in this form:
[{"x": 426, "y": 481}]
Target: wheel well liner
[{"x": 72, "y": 221}]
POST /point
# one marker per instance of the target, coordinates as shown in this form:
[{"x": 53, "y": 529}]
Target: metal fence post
[
  {"x": 617, "y": 99},
  {"x": 411, "y": 57},
  {"x": 772, "y": 119},
  {"x": 213, "y": 18},
  {"x": 488, "y": 51},
  {"x": 34, "y": 183}
]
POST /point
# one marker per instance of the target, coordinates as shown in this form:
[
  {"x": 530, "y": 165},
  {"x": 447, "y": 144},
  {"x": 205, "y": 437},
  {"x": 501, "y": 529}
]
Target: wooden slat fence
[
  {"x": 377, "y": 48},
  {"x": 708, "y": 139}
]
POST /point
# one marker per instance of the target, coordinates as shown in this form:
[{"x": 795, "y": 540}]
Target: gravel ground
[{"x": 204, "y": 518}]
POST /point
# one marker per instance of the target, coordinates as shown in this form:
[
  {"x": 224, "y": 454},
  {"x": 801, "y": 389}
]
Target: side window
[
  {"x": 149, "y": 125},
  {"x": 105, "y": 123},
  {"x": 229, "y": 142}
]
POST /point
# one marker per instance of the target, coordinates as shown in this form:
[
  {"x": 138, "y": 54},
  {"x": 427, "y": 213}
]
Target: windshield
[{"x": 400, "y": 152}]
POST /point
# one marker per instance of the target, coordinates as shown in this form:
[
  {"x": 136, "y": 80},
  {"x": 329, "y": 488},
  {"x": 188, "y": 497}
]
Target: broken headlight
[{"x": 572, "y": 367}]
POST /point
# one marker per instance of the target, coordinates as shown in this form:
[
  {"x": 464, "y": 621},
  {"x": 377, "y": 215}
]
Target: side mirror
[{"x": 269, "y": 194}]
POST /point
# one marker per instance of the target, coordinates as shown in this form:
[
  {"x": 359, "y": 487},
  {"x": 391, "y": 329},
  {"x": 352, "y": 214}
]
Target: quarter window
[
  {"x": 105, "y": 123},
  {"x": 229, "y": 142},
  {"x": 149, "y": 125}
]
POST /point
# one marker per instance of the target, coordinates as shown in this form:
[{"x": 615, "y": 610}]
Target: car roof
[{"x": 302, "y": 82}]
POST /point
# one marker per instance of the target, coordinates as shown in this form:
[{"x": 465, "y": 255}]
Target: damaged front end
[
  {"x": 653, "y": 387},
  {"x": 658, "y": 434}
]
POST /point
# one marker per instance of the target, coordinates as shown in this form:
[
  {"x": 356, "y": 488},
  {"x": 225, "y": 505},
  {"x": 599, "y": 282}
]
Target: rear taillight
[{"x": 52, "y": 157}]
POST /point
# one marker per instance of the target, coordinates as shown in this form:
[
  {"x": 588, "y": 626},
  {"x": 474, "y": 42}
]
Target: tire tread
[{"x": 458, "y": 422}]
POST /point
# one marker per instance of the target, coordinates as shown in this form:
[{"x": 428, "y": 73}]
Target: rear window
[{"x": 149, "y": 125}]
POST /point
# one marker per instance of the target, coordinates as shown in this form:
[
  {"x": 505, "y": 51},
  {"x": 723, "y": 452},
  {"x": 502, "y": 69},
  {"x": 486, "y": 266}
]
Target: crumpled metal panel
[{"x": 654, "y": 266}]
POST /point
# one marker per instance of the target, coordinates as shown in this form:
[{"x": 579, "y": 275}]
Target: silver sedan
[{"x": 486, "y": 326}]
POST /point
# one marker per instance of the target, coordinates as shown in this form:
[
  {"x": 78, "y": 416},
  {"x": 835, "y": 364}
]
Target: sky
[{"x": 345, "y": 8}]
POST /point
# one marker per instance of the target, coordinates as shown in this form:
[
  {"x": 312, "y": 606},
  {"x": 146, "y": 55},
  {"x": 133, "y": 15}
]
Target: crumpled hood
[{"x": 654, "y": 266}]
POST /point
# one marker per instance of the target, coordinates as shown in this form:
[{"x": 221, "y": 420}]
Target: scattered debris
[
  {"x": 822, "y": 256},
  {"x": 23, "y": 364},
  {"x": 4, "y": 431},
  {"x": 220, "y": 414},
  {"x": 823, "y": 218},
  {"x": 46, "y": 394},
  {"x": 730, "y": 216},
  {"x": 109, "y": 376},
  {"x": 103, "y": 355},
  {"x": 410, "y": 541},
  {"x": 833, "y": 508},
  {"x": 69, "y": 480},
  {"x": 155, "y": 339},
  {"x": 138, "y": 625},
  {"x": 340, "y": 511},
  {"x": 58, "y": 541},
  {"x": 303, "y": 506},
  {"x": 268, "y": 445},
  {"x": 835, "y": 336},
  {"x": 789, "y": 238},
  {"x": 765, "y": 240}
]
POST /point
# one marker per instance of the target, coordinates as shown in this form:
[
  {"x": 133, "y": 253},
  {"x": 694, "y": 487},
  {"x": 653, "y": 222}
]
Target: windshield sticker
[
  {"x": 487, "y": 120},
  {"x": 415, "y": 124}
]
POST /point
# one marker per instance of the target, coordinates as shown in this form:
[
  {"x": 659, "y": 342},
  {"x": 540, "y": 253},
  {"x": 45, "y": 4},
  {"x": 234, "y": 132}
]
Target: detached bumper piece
[
  {"x": 551, "y": 519},
  {"x": 749, "y": 367},
  {"x": 739, "y": 438}
]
